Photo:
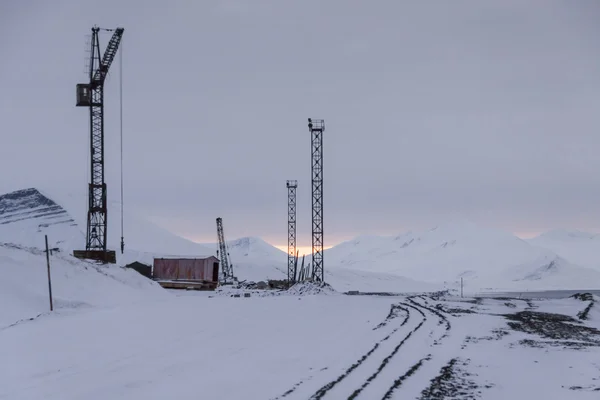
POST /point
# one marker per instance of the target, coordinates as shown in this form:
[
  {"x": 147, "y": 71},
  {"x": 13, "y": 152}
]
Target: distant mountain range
[
  {"x": 581, "y": 248},
  {"x": 433, "y": 259}
]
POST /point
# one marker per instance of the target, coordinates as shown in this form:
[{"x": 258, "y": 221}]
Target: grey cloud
[{"x": 485, "y": 109}]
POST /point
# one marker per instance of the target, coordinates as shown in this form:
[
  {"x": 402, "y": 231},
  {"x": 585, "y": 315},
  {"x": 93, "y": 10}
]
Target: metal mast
[
  {"x": 91, "y": 95},
  {"x": 291, "y": 186},
  {"x": 224, "y": 255},
  {"x": 316, "y": 128}
]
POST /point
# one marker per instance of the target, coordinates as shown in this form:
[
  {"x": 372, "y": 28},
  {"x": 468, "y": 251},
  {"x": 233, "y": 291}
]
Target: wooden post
[
  {"x": 461, "y": 286},
  {"x": 49, "y": 279}
]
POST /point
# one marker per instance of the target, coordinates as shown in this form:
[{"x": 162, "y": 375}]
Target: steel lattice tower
[
  {"x": 291, "y": 186},
  {"x": 91, "y": 95},
  {"x": 317, "y": 127}
]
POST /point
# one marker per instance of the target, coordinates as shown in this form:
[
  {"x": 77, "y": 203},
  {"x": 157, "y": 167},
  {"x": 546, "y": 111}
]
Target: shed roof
[{"x": 188, "y": 258}]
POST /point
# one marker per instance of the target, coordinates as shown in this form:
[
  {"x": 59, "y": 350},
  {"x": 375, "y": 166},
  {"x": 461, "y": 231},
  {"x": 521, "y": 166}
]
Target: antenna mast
[
  {"x": 292, "y": 258},
  {"x": 316, "y": 128}
]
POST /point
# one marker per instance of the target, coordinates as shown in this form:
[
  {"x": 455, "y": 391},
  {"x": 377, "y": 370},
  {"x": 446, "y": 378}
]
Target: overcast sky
[{"x": 489, "y": 110}]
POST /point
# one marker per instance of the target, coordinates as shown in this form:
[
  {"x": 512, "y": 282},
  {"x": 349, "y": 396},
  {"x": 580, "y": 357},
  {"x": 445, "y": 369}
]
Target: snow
[
  {"x": 484, "y": 258},
  {"x": 149, "y": 351},
  {"x": 253, "y": 259},
  {"x": 581, "y": 248},
  {"x": 75, "y": 284},
  {"x": 264, "y": 347},
  {"x": 115, "y": 334}
]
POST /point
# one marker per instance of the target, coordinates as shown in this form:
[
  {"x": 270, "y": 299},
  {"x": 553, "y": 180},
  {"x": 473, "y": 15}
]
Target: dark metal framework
[
  {"x": 317, "y": 127},
  {"x": 92, "y": 95},
  {"x": 292, "y": 186},
  {"x": 223, "y": 254}
]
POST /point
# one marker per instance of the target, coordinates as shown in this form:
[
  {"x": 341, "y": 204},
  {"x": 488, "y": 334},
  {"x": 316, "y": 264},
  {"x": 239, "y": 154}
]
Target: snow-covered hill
[
  {"x": 429, "y": 260},
  {"x": 27, "y": 215},
  {"x": 254, "y": 259},
  {"x": 75, "y": 284},
  {"x": 485, "y": 258},
  {"x": 581, "y": 248}
]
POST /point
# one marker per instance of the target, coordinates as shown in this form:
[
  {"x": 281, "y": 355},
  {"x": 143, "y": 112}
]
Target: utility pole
[
  {"x": 291, "y": 186},
  {"x": 461, "y": 287},
  {"x": 49, "y": 279},
  {"x": 316, "y": 128}
]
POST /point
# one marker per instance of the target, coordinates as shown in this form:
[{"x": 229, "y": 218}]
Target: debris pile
[
  {"x": 583, "y": 314},
  {"x": 311, "y": 288}
]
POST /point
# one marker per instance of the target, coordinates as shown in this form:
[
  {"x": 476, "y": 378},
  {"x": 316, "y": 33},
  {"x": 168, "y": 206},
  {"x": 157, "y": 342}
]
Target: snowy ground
[
  {"x": 299, "y": 347},
  {"x": 117, "y": 335}
]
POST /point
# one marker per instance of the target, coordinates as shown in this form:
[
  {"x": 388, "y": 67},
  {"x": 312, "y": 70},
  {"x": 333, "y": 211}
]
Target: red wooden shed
[{"x": 196, "y": 273}]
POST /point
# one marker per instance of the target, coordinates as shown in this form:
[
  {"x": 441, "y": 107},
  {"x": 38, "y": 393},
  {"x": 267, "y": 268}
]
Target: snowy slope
[
  {"x": 254, "y": 259},
  {"x": 141, "y": 235},
  {"x": 425, "y": 261},
  {"x": 581, "y": 248},
  {"x": 27, "y": 215},
  {"x": 485, "y": 258},
  {"x": 75, "y": 284},
  {"x": 31, "y": 213}
]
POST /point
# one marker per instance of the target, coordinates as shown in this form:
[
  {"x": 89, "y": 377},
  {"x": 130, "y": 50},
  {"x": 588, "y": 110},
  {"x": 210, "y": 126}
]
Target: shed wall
[{"x": 191, "y": 269}]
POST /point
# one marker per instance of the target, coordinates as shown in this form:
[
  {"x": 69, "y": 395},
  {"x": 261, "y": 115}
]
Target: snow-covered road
[{"x": 306, "y": 347}]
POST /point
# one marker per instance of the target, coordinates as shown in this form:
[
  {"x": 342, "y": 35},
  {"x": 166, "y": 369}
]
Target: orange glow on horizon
[{"x": 304, "y": 250}]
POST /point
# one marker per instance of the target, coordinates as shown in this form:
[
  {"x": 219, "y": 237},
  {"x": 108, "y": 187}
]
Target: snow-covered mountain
[
  {"x": 27, "y": 215},
  {"x": 581, "y": 248},
  {"x": 253, "y": 259},
  {"x": 485, "y": 258},
  {"x": 430, "y": 260}
]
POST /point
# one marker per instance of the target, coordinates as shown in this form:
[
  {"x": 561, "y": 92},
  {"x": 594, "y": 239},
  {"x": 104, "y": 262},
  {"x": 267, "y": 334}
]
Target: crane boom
[
  {"x": 109, "y": 55},
  {"x": 91, "y": 95},
  {"x": 226, "y": 267}
]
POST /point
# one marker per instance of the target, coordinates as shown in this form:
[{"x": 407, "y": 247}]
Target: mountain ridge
[{"x": 442, "y": 254}]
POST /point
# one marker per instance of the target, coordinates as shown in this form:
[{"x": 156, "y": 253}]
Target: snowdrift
[{"x": 75, "y": 284}]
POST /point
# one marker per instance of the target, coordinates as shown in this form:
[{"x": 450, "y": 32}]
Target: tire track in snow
[
  {"x": 386, "y": 360},
  {"x": 319, "y": 394},
  {"x": 378, "y": 359},
  {"x": 323, "y": 390},
  {"x": 401, "y": 379},
  {"x": 21, "y": 321},
  {"x": 442, "y": 320},
  {"x": 369, "y": 370},
  {"x": 369, "y": 391}
]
